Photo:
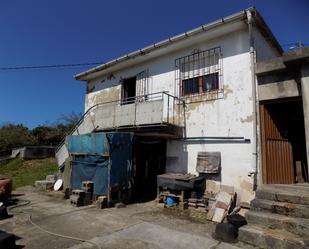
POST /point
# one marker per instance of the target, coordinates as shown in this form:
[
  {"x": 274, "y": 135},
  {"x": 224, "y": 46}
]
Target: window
[
  {"x": 128, "y": 90},
  {"x": 201, "y": 84},
  {"x": 210, "y": 82},
  {"x": 199, "y": 72},
  {"x": 135, "y": 89},
  {"x": 191, "y": 86}
]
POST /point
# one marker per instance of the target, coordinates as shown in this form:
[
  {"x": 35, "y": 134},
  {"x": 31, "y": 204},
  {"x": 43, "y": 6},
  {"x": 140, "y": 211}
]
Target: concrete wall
[
  {"x": 34, "y": 152},
  {"x": 228, "y": 115},
  {"x": 263, "y": 50}
]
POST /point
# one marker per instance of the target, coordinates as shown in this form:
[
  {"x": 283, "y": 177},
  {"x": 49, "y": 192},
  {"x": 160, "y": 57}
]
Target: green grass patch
[{"x": 25, "y": 173}]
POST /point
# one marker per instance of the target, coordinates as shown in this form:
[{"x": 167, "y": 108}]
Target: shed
[{"x": 104, "y": 158}]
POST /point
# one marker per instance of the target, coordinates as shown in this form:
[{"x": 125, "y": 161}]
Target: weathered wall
[
  {"x": 228, "y": 116},
  {"x": 279, "y": 89},
  {"x": 263, "y": 50}
]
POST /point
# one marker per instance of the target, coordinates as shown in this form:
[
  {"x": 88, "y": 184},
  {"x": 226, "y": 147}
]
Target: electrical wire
[
  {"x": 50, "y": 66},
  {"x": 27, "y": 202},
  {"x": 79, "y": 65}
]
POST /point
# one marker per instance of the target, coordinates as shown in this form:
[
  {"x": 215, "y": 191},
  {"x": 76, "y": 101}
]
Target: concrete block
[
  {"x": 78, "y": 192},
  {"x": 76, "y": 200},
  {"x": 101, "y": 202},
  {"x": 51, "y": 178},
  {"x": 44, "y": 185},
  {"x": 88, "y": 198}
]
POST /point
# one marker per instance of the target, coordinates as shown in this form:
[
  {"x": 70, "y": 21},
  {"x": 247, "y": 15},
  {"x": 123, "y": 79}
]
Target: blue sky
[{"x": 36, "y": 32}]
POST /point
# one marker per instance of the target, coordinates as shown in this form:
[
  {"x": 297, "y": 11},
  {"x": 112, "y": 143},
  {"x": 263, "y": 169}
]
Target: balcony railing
[{"x": 158, "y": 108}]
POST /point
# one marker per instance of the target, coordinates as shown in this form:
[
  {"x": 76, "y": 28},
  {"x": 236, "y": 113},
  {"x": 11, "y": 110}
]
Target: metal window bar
[
  {"x": 142, "y": 85},
  {"x": 197, "y": 64}
]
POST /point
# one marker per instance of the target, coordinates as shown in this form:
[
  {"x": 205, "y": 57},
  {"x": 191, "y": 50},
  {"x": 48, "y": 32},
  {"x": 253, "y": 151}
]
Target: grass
[{"x": 25, "y": 173}]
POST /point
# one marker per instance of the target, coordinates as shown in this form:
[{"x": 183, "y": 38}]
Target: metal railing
[{"x": 172, "y": 111}]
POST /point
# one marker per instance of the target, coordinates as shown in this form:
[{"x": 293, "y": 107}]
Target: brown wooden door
[{"x": 277, "y": 156}]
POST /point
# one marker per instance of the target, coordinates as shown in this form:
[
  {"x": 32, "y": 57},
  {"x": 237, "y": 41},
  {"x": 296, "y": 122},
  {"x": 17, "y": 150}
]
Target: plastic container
[
  {"x": 5, "y": 188},
  {"x": 170, "y": 201}
]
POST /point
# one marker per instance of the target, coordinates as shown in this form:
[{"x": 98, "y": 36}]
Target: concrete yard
[{"x": 139, "y": 226}]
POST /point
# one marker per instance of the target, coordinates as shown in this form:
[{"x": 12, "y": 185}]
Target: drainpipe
[{"x": 254, "y": 99}]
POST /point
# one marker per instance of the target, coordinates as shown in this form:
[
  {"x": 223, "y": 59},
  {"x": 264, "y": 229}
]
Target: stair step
[
  {"x": 284, "y": 208},
  {"x": 298, "y": 226},
  {"x": 271, "y": 238},
  {"x": 297, "y": 194}
]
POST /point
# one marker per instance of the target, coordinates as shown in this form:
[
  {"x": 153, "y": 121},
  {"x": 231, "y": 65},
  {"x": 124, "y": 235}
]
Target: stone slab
[
  {"x": 298, "y": 226},
  {"x": 270, "y": 238},
  {"x": 284, "y": 208},
  {"x": 44, "y": 185}
]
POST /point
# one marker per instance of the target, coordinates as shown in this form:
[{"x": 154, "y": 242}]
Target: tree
[
  {"x": 70, "y": 120},
  {"x": 15, "y": 135}
]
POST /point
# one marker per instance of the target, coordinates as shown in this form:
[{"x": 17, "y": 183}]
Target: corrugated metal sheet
[
  {"x": 88, "y": 144},
  {"x": 276, "y": 151},
  {"x": 104, "y": 158}
]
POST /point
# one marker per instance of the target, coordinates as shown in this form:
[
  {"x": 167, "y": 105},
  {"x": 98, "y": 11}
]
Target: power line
[
  {"x": 50, "y": 66},
  {"x": 75, "y": 65}
]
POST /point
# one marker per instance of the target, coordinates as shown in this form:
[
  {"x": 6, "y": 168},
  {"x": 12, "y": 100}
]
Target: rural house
[{"x": 192, "y": 101}]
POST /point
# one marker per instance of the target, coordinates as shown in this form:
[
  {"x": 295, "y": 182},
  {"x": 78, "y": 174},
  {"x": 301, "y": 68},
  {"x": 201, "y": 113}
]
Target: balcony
[
  {"x": 157, "y": 113},
  {"x": 143, "y": 112}
]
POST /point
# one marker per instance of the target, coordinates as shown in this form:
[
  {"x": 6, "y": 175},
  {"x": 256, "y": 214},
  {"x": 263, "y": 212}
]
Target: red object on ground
[{"x": 5, "y": 188}]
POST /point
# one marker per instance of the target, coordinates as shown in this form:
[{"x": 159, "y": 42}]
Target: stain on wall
[
  {"x": 104, "y": 96},
  {"x": 247, "y": 119},
  {"x": 227, "y": 90}
]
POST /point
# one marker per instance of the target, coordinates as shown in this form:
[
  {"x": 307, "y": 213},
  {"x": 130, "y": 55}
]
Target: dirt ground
[{"x": 138, "y": 226}]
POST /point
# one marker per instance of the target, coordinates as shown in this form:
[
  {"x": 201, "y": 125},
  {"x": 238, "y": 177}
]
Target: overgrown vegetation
[
  {"x": 25, "y": 173},
  {"x": 18, "y": 135}
]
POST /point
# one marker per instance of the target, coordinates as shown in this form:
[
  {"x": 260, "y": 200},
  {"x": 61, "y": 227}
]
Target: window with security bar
[
  {"x": 199, "y": 73},
  {"x": 135, "y": 89}
]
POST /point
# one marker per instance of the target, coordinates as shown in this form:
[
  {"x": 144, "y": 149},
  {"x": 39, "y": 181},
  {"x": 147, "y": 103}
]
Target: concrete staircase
[{"x": 279, "y": 217}]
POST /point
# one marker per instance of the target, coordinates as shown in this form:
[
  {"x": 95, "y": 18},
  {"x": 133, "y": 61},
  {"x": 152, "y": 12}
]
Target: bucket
[{"x": 170, "y": 201}]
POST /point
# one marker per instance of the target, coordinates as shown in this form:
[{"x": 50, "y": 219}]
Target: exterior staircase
[
  {"x": 153, "y": 109},
  {"x": 278, "y": 218}
]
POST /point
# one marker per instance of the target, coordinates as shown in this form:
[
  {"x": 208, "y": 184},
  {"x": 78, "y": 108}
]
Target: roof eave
[
  {"x": 261, "y": 24},
  {"x": 238, "y": 16}
]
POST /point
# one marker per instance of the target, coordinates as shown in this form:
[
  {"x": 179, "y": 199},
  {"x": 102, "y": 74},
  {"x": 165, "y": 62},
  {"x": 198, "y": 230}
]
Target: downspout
[{"x": 254, "y": 99}]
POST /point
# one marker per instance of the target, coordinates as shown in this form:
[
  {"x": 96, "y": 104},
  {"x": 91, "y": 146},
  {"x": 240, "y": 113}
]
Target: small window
[
  {"x": 128, "y": 91},
  {"x": 199, "y": 73},
  {"x": 201, "y": 84},
  {"x": 191, "y": 86},
  {"x": 210, "y": 82}
]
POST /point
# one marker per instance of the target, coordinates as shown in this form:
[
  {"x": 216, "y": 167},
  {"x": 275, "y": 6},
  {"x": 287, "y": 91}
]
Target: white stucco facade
[{"x": 227, "y": 115}]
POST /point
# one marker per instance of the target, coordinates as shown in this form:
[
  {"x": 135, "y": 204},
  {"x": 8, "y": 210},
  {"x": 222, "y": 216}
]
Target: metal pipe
[
  {"x": 249, "y": 14},
  {"x": 205, "y": 137}
]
